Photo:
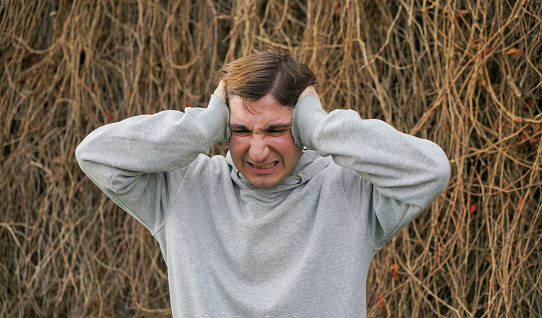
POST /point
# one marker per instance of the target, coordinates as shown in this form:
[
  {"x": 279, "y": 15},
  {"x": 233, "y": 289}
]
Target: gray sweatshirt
[{"x": 299, "y": 249}]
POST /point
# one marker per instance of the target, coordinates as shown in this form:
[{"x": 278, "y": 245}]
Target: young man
[{"x": 288, "y": 222}]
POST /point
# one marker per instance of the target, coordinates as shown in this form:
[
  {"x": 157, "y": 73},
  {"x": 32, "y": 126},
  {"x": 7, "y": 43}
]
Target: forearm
[
  {"x": 138, "y": 162},
  {"x": 152, "y": 143},
  {"x": 400, "y": 166}
]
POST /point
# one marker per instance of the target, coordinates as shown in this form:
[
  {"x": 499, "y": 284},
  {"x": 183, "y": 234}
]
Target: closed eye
[
  {"x": 240, "y": 132},
  {"x": 277, "y": 129},
  {"x": 272, "y": 131}
]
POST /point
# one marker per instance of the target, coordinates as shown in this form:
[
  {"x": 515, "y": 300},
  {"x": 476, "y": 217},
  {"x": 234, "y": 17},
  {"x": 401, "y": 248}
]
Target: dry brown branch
[{"x": 465, "y": 74}]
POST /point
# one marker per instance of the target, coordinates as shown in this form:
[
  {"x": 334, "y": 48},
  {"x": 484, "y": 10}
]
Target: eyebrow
[{"x": 238, "y": 127}]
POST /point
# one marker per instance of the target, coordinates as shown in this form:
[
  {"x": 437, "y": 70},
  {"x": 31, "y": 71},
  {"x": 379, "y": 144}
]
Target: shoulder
[
  {"x": 204, "y": 163},
  {"x": 349, "y": 182}
]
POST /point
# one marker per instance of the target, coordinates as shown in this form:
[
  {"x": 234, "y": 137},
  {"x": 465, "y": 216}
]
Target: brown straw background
[{"x": 465, "y": 74}]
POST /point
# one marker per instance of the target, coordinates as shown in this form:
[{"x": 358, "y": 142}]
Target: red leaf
[
  {"x": 381, "y": 301},
  {"x": 337, "y": 7},
  {"x": 462, "y": 13},
  {"x": 486, "y": 51},
  {"x": 523, "y": 138},
  {"x": 394, "y": 271},
  {"x": 472, "y": 209},
  {"x": 513, "y": 52}
]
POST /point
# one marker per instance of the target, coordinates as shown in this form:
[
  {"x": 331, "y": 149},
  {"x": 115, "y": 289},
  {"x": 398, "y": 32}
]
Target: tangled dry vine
[{"x": 465, "y": 74}]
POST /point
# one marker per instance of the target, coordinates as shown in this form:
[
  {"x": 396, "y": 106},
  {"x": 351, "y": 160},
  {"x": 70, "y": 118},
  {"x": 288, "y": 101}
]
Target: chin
[{"x": 263, "y": 183}]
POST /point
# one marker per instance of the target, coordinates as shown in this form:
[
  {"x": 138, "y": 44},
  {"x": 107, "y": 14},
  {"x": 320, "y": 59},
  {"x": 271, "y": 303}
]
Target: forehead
[{"x": 259, "y": 114}]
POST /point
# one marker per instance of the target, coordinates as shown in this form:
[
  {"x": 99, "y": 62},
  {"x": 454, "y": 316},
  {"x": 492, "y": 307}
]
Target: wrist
[
  {"x": 306, "y": 117},
  {"x": 215, "y": 120}
]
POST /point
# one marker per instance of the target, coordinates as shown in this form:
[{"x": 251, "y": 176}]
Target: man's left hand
[{"x": 220, "y": 91}]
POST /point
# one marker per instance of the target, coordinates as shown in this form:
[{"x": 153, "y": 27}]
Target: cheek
[
  {"x": 287, "y": 149},
  {"x": 237, "y": 145}
]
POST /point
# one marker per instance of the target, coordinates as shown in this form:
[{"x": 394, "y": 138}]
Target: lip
[{"x": 258, "y": 170}]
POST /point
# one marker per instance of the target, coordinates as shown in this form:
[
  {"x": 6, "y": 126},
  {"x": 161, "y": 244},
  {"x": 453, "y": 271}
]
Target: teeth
[{"x": 269, "y": 165}]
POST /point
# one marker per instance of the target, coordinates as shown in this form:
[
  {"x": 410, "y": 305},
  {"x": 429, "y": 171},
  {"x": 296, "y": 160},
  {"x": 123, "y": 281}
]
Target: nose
[{"x": 259, "y": 149}]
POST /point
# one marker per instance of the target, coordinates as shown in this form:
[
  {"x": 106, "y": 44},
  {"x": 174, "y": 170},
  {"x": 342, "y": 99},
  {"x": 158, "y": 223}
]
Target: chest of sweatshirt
[{"x": 242, "y": 227}]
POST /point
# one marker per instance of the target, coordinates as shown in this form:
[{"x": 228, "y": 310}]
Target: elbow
[
  {"x": 83, "y": 159},
  {"x": 444, "y": 177},
  {"x": 441, "y": 171},
  {"x": 80, "y": 155}
]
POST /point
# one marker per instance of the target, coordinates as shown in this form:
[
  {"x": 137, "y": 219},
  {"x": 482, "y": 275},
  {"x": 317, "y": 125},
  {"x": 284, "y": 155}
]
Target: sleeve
[
  {"x": 139, "y": 162},
  {"x": 400, "y": 174}
]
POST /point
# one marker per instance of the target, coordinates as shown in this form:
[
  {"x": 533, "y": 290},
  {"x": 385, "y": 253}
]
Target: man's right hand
[
  {"x": 309, "y": 90},
  {"x": 220, "y": 91}
]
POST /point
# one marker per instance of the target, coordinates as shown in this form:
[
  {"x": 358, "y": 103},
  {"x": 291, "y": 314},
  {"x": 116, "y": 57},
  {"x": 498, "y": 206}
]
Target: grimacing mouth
[{"x": 265, "y": 166}]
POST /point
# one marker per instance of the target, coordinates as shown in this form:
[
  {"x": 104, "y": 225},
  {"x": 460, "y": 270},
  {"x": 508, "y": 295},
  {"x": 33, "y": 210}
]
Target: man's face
[{"x": 261, "y": 144}]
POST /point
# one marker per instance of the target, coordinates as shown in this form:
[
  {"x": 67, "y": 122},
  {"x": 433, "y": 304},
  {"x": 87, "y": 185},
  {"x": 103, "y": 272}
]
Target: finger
[
  {"x": 220, "y": 91},
  {"x": 309, "y": 90}
]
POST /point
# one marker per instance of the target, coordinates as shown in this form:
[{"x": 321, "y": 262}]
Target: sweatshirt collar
[{"x": 308, "y": 166}]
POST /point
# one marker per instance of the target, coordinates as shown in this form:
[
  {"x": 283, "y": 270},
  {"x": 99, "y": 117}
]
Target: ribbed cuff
[
  {"x": 306, "y": 117},
  {"x": 215, "y": 120}
]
